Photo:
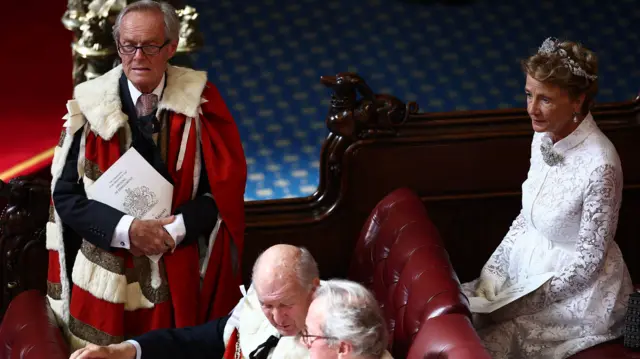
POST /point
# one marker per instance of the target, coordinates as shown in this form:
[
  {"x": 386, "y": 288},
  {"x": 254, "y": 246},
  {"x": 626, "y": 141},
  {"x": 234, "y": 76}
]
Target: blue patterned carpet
[{"x": 267, "y": 56}]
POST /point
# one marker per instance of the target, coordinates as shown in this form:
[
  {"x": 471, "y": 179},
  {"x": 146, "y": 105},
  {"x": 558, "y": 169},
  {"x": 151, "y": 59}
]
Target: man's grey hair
[
  {"x": 352, "y": 314},
  {"x": 305, "y": 267},
  {"x": 171, "y": 20}
]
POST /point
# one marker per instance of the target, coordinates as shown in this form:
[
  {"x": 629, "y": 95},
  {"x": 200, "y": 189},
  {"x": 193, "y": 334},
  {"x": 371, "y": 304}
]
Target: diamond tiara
[{"x": 550, "y": 46}]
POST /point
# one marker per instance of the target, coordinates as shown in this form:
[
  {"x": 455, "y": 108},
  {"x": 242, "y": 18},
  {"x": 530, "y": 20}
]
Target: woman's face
[{"x": 550, "y": 108}]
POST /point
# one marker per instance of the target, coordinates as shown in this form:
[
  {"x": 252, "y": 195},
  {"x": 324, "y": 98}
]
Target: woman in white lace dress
[{"x": 570, "y": 204}]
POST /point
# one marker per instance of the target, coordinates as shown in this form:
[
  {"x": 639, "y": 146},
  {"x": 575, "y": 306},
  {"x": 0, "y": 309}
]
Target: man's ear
[
  {"x": 316, "y": 283},
  {"x": 345, "y": 349}
]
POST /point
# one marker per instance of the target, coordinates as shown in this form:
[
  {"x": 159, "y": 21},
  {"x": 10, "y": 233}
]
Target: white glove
[{"x": 487, "y": 287}]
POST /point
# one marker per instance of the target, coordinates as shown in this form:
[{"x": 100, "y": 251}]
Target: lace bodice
[{"x": 553, "y": 197}]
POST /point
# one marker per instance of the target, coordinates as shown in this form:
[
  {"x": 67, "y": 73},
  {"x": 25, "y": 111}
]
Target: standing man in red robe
[{"x": 102, "y": 285}]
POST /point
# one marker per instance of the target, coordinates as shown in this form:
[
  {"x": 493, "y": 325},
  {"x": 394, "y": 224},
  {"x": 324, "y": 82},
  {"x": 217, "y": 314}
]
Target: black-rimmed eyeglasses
[{"x": 146, "y": 49}]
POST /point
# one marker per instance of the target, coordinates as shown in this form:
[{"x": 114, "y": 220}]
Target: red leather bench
[{"x": 400, "y": 256}]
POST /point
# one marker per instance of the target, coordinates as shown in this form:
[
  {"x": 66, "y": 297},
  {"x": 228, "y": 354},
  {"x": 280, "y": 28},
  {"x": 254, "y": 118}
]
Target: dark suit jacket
[
  {"x": 200, "y": 342},
  {"x": 95, "y": 221}
]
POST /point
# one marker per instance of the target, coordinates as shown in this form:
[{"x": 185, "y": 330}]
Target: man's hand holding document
[{"x": 134, "y": 187}]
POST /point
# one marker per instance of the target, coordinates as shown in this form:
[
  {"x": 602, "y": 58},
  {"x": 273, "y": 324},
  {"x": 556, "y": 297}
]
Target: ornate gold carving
[
  {"x": 191, "y": 39},
  {"x": 95, "y": 39},
  {"x": 75, "y": 11}
]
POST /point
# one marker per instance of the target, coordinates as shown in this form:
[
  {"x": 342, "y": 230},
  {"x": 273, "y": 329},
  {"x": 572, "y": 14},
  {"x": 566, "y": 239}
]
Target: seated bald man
[
  {"x": 263, "y": 325},
  {"x": 345, "y": 321}
]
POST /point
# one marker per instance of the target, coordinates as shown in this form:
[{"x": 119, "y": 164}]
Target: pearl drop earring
[{"x": 575, "y": 117}]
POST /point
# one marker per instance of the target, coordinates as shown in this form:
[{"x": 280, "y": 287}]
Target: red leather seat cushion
[
  {"x": 29, "y": 332},
  {"x": 448, "y": 336}
]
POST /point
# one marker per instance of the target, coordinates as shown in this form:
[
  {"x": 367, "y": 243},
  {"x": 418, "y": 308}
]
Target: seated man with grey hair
[
  {"x": 263, "y": 325},
  {"x": 345, "y": 321}
]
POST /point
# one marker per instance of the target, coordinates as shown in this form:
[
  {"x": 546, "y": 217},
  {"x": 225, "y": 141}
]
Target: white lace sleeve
[
  {"x": 598, "y": 224},
  {"x": 498, "y": 264},
  {"x": 597, "y": 228}
]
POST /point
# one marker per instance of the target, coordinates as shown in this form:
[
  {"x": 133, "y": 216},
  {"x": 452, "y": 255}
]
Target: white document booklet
[
  {"x": 134, "y": 187},
  {"x": 509, "y": 294}
]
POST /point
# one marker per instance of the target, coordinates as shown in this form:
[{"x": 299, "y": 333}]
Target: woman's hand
[{"x": 487, "y": 288}]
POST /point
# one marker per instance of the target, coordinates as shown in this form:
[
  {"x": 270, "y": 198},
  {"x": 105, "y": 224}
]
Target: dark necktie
[{"x": 263, "y": 350}]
